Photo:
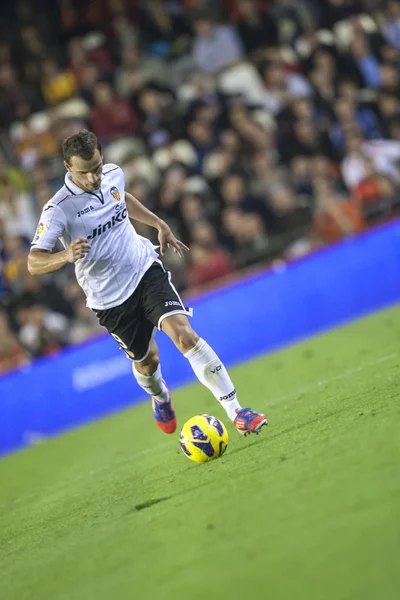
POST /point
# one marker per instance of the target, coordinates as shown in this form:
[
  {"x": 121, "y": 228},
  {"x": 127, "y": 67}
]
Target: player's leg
[
  {"x": 148, "y": 375},
  {"x": 134, "y": 334},
  {"x": 211, "y": 372},
  {"x": 163, "y": 307},
  {"x": 207, "y": 366}
]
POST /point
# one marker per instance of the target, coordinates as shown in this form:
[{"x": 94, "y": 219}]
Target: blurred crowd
[{"x": 258, "y": 129}]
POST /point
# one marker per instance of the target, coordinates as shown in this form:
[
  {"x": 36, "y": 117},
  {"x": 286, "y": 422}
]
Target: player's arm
[
  {"x": 42, "y": 261},
  {"x": 140, "y": 213},
  {"x": 52, "y": 225}
]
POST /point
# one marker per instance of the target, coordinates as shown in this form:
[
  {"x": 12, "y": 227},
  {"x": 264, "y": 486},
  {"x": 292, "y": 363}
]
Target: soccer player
[{"x": 123, "y": 278}]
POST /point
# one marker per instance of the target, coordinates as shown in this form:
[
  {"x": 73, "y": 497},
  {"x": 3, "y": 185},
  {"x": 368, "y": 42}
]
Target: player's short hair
[{"x": 82, "y": 144}]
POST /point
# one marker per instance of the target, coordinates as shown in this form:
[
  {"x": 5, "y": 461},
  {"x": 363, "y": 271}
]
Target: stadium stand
[{"x": 259, "y": 130}]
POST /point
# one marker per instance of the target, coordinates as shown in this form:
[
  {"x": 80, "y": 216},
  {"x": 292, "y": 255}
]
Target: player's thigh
[
  {"x": 136, "y": 342},
  {"x": 129, "y": 327},
  {"x": 178, "y": 328},
  {"x": 159, "y": 298}
]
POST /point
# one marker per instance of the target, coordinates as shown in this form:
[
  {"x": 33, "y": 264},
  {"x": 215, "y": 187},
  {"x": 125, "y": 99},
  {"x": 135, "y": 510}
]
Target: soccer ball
[{"x": 203, "y": 438}]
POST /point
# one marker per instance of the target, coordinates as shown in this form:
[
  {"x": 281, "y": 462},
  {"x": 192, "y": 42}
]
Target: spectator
[
  {"x": 12, "y": 354},
  {"x": 32, "y": 88},
  {"x": 89, "y": 76},
  {"x": 77, "y": 57},
  {"x": 41, "y": 291},
  {"x": 337, "y": 10},
  {"x": 302, "y": 169},
  {"x": 203, "y": 139},
  {"x": 85, "y": 325},
  {"x": 366, "y": 61},
  {"x": 394, "y": 128},
  {"x": 251, "y": 135},
  {"x": 138, "y": 71},
  {"x": 33, "y": 44},
  {"x": 42, "y": 332},
  {"x": 335, "y": 218},
  {"x": 206, "y": 265},
  {"x": 215, "y": 46},
  {"x": 57, "y": 84},
  {"x": 164, "y": 30},
  {"x": 16, "y": 210},
  {"x": 171, "y": 191},
  {"x": 111, "y": 117},
  {"x": 235, "y": 193},
  {"x": 291, "y": 218},
  {"x": 125, "y": 32},
  {"x": 305, "y": 140},
  {"x": 391, "y": 26},
  {"x": 282, "y": 86},
  {"x": 348, "y": 115},
  {"x": 255, "y": 27},
  {"x": 389, "y": 77},
  {"x": 375, "y": 195},
  {"x": 204, "y": 234},
  {"x": 266, "y": 174},
  {"x": 192, "y": 211},
  {"x": 384, "y": 153},
  {"x": 292, "y": 18},
  {"x": 15, "y": 257},
  {"x": 13, "y": 102},
  {"x": 250, "y": 241},
  {"x": 388, "y": 108},
  {"x": 156, "y": 112}
]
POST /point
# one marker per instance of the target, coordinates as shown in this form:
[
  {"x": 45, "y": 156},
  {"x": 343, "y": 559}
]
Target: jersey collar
[{"x": 71, "y": 186}]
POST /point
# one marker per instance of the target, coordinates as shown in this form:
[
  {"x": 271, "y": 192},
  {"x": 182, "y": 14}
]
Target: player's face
[{"x": 86, "y": 173}]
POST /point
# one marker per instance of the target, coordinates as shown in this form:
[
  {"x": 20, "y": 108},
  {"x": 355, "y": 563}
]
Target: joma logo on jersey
[
  {"x": 115, "y": 193},
  {"x": 85, "y": 210},
  {"x": 118, "y": 218}
]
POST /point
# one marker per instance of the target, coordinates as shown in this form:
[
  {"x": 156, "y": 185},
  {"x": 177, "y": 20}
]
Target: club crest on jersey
[{"x": 115, "y": 193}]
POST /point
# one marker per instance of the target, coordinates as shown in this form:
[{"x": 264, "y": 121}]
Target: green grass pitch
[{"x": 308, "y": 510}]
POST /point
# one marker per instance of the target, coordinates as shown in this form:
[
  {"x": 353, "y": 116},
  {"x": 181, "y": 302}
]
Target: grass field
[{"x": 309, "y": 509}]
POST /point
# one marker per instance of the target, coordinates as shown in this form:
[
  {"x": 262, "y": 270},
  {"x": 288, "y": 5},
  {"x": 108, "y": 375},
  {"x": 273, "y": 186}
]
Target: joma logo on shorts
[
  {"x": 118, "y": 218},
  {"x": 172, "y": 303}
]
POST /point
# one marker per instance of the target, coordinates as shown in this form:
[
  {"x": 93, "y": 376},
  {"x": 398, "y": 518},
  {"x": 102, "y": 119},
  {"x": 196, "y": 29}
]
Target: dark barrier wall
[{"x": 247, "y": 318}]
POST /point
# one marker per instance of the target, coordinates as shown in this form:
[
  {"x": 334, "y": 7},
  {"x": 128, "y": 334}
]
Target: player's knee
[
  {"x": 148, "y": 366},
  {"x": 186, "y": 338}
]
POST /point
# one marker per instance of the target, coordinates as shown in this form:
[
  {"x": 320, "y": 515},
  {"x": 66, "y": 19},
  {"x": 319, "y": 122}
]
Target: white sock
[
  {"x": 152, "y": 384},
  {"x": 211, "y": 372}
]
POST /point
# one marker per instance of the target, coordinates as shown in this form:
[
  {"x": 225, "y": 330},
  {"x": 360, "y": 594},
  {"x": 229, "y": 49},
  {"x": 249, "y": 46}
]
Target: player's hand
[
  {"x": 77, "y": 249},
  {"x": 168, "y": 240}
]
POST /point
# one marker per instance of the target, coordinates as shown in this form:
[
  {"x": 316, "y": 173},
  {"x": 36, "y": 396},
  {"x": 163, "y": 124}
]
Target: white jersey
[{"x": 118, "y": 258}]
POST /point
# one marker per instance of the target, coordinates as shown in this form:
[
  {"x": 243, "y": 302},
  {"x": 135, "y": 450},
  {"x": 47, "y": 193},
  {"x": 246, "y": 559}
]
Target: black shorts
[{"x": 134, "y": 322}]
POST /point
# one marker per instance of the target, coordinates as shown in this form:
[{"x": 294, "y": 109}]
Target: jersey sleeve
[{"x": 51, "y": 227}]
